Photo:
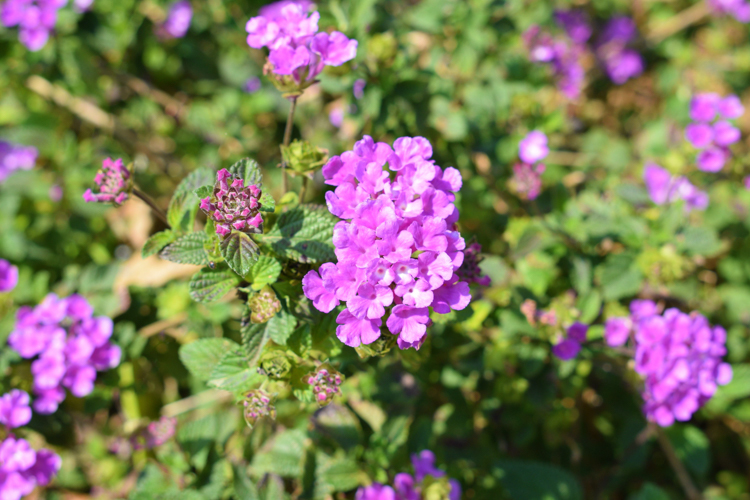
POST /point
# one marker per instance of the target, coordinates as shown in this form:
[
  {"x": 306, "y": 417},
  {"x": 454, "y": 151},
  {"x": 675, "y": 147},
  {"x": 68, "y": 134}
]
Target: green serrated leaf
[
  {"x": 550, "y": 482},
  {"x": 264, "y": 272},
  {"x": 304, "y": 234},
  {"x": 233, "y": 373},
  {"x": 249, "y": 170},
  {"x": 187, "y": 249},
  {"x": 240, "y": 251},
  {"x": 284, "y": 456},
  {"x": 243, "y": 485},
  {"x": 208, "y": 285},
  {"x": 184, "y": 205},
  {"x": 156, "y": 242},
  {"x": 254, "y": 338},
  {"x": 335, "y": 474},
  {"x": 281, "y": 326},
  {"x": 204, "y": 191},
  {"x": 202, "y": 356},
  {"x": 267, "y": 203}
]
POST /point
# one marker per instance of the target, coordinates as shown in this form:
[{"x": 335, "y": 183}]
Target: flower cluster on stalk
[
  {"x": 527, "y": 175},
  {"x": 21, "y": 467},
  {"x": 233, "y": 206},
  {"x": 155, "y": 434},
  {"x": 70, "y": 345},
  {"x": 425, "y": 483},
  {"x": 679, "y": 356},
  {"x": 711, "y": 132},
  {"x": 297, "y": 51},
  {"x": 256, "y": 405},
  {"x": 114, "y": 181},
  {"x": 35, "y": 20},
  {"x": 397, "y": 247},
  {"x": 14, "y": 157},
  {"x": 663, "y": 188}
]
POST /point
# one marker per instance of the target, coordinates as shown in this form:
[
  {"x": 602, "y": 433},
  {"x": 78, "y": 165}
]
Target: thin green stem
[
  {"x": 303, "y": 190},
  {"x": 691, "y": 492},
  {"x": 287, "y": 140},
  {"x": 148, "y": 201}
]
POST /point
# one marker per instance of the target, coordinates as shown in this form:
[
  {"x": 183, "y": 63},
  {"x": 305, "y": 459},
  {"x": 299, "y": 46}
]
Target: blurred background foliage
[{"x": 502, "y": 415}]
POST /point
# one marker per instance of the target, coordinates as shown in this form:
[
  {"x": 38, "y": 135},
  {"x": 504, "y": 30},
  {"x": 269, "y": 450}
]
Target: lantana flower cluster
[
  {"x": 233, "y": 206},
  {"x": 613, "y": 48},
  {"x": 679, "y": 356},
  {"x": 297, "y": 50},
  {"x": 663, "y": 188},
  {"x": 739, "y": 9},
  {"x": 70, "y": 345},
  {"x": 21, "y": 467},
  {"x": 115, "y": 182},
  {"x": 711, "y": 132},
  {"x": 15, "y": 157},
  {"x": 8, "y": 276},
  {"x": 178, "y": 20},
  {"x": 155, "y": 434},
  {"x": 325, "y": 383},
  {"x": 569, "y": 347},
  {"x": 35, "y": 20},
  {"x": 412, "y": 487},
  {"x": 257, "y": 404},
  {"x": 397, "y": 247},
  {"x": 527, "y": 175}
]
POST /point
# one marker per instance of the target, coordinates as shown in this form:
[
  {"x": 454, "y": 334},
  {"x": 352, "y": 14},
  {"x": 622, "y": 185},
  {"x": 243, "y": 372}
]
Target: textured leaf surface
[
  {"x": 267, "y": 203},
  {"x": 184, "y": 205},
  {"x": 156, "y": 242},
  {"x": 254, "y": 338},
  {"x": 304, "y": 234},
  {"x": 208, "y": 285},
  {"x": 240, "y": 251},
  {"x": 284, "y": 456},
  {"x": 264, "y": 272},
  {"x": 529, "y": 480},
  {"x": 202, "y": 356},
  {"x": 335, "y": 474},
  {"x": 249, "y": 170},
  {"x": 187, "y": 249},
  {"x": 233, "y": 372}
]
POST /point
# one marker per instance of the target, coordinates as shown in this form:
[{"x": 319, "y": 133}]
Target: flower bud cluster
[
  {"x": 115, "y": 182},
  {"x": 325, "y": 383},
  {"x": 177, "y": 22},
  {"x": 233, "y": 206},
  {"x": 678, "y": 355},
  {"x": 569, "y": 347},
  {"x": 612, "y": 48},
  {"x": 257, "y": 404},
  {"x": 711, "y": 132},
  {"x": 469, "y": 270},
  {"x": 663, "y": 188},
  {"x": 397, "y": 247},
  {"x": 70, "y": 345},
  {"x": 527, "y": 175}
]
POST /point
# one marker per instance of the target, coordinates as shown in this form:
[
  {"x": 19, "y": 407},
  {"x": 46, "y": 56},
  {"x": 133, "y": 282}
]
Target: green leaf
[
  {"x": 203, "y": 355},
  {"x": 267, "y": 203},
  {"x": 184, "y": 206},
  {"x": 204, "y": 191},
  {"x": 208, "y": 285},
  {"x": 249, "y": 170},
  {"x": 691, "y": 446},
  {"x": 590, "y": 305},
  {"x": 233, "y": 372},
  {"x": 619, "y": 277},
  {"x": 254, "y": 338},
  {"x": 335, "y": 474},
  {"x": 529, "y": 480},
  {"x": 284, "y": 456},
  {"x": 701, "y": 241},
  {"x": 338, "y": 423},
  {"x": 156, "y": 242},
  {"x": 264, "y": 272},
  {"x": 738, "y": 388},
  {"x": 650, "y": 491},
  {"x": 304, "y": 234},
  {"x": 280, "y": 327},
  {"x": 243, "y": 485},
  {"x": 187, "y": 249},
  {"x": 240, "y": 251}
]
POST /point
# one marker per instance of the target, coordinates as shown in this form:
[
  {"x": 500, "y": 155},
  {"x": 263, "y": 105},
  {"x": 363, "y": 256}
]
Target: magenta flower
[
  {"x": 533, "y": 147},
  {"x": 325, "y": 383},
  {"x": 620, "y": 62},
  {"x": 678, "y": 355},
  {"x": 358, "y": 89},
  {"x": 115, "y": 183},
  {"x": 178, "y": 20},
  {"x": 725, "y": 133},
  {"x": 233, "y": 206},
  {"x": 703, "y": 107},
  {"x": 14, "y": 157},
  {"x": 70, "y": 346},
  {"x": 712, "y": 159},
  {"x": 730, "y": 107},
  {"x": 375, "y": 491},
  {"x": 739, "y": 9},
  {"x": 713, "y": 140},
  {"x": 747, "y": 182},
  {"x": 14, "y": 409},
  {"x": 664, "y": 188},
  {"x": 35, "y": 20},
  {"x": 569, "y": 347},
  {"x": 562, "y": 55},
  {"x": 8, "y": 276},
  {"x": 257, "y": 404},
  {"x": 386, "y": 221},
  {"x": 527, "y": 180},
  {"x": 22, "y": 468},
  {"x": 575, "y": 23},
  {"x": 700, "y": 135}
]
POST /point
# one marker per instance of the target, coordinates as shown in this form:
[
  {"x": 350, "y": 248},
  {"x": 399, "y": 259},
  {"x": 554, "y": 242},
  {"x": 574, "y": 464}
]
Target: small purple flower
[
  {"x": 527, "y": 180},
  {"x": 620, "y": 62},
  {"x": 14, "y": 409},
  {"x": 575, "y": 23},
  {"x": 177, "y": 22},
  {"x": 336, "y": 117},
  {"x": 747, "y": 182},
  {"x": 700, "y": 135},
  {"x": 569, "y": 347},
  {"x": 8, "y": 276},
  {"x": 82, "y": 5},
  {"x": 55, "y": 193},
  {"x": 533, "y": 147},
  {"x": 358, "y": 89},
  {"x": 375, "y": 491},
  {"x": 22, "y": 468},
  {"x": 664, "y": 188},
  {"x": 617, "y": 331},
  {"x": 730, "y": 107},
  {"x": 725, "y": 133},
  {"x": 712, "y": 159},
  {"x": 14, "y": 157},
  {"x": 34, "y": 18},
  {"x": 252, "y": 85},
  {"x": 424, "y": 465},
  {"x": 563, "y": 56},
  {"x": 233, "y": 206},
  {"x": 115, "y": 183},
  {"x": 155, "y": 434},
  {"x": 739, "y": 9},
  {"x": 703, "y": 107}
]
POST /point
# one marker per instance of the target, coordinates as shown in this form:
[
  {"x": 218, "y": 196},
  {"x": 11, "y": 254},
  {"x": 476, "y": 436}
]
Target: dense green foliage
[{"x": 504, "y": 417}]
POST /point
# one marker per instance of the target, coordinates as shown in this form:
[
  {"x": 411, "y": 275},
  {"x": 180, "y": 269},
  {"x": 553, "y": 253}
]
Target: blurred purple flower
[
  {"x": 569, "y": 347},
  {"x": 252, "y": 85},
  {"x": 469, "y": 270},
  {"x": 740, "y": 9},
  {"x": 273, "y": 10},
  {"x": 725, "y": 133},
  {"x": 82, "y": 5},
  {"x": 663, "y": 188},
  {"x": 575, "y": 23},
  {"x": 527, "y": 180},
  {"x": 747, "y": 182},
  {"x": 14, "y": 157},
  {"x": 703, "y": 107},
  {"x": 713, "y": 159},
  {"x": 376, "y": 491},
  {"x": 35, "y": 19},
  {"x": 14, "y": 409},
  {"x": 358, "y": 89},
  {"x": 533, "y": 147},
  {"x": 730, "y": 107},
  {"x": 620, "y": 62},
  {"x": 55, "y": 193},
  {"x": 336, "y": 117},
  {"x": 700, "y": 135},
  {"x": 563, "y": 56},
  {"x": 8, "y": 276},
  {"x": 114, "y": 181},
  {"x": 617, "y": 331},
  {"x": 178, "y": 20},
  {"x": 155, "y": 434},
  {"x": 714, "y": 139}
]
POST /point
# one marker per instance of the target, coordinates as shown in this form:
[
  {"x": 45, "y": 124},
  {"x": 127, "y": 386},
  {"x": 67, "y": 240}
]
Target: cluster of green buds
[
  {"x": 257, "y": 404},
  {"x": 325, "y": 382},
  {"x": 302, "y": 158},
  {"x": 263, "y": 305}
]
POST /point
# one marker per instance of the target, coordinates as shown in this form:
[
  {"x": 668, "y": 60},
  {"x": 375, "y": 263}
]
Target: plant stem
[
  {"x": 148, "y": 201},
  {"x": 303, "y": 190},
  {"x": 287, "y": 140},
  {"x": 691, "y": 492}
]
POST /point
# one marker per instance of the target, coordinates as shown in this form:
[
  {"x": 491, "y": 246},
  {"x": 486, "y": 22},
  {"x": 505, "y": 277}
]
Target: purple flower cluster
[
  {"x": 663, "y": 188},
  {"x": 82, "y": 5},
  {"x": 713, "y": 139},
  {"x": 178, "y": 20},
  {"x": 155, "y": 434},
  {"x": 14, "y": 157},
  {"x": 325, "y": 384},
  {"x": 35, "y": 20},
  {"x": 397, "y": 245},
  {"x": 233, "y": 206},
  {"x": 71, "y": 346},
  {"x": 739, "y": 9},
  {"x": 678, "y": 355},
  {"x": 469, "y": 270},
  {"x": 620, "y": 62},
  {"x": 296, "y": 47},
  {"x": 8, "y": 276},
  {"x": 358, "y": 89},
  {"x": 21, "y": 468},
  {"x": 527, "y": 175},
  {"x": 257, "y": 404},
  {"x": 569, "y": 347},
  {"x": 408, "y": 487},
  {"x": 114, "y": 180}
]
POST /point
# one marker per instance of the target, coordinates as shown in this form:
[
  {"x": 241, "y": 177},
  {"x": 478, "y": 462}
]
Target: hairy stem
[
  {"x": 691, "y": 492},
  {"x": 303, "y": 189},
  {"x": 154, "y": 207},
  {"x": 287, "y": 140}
]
